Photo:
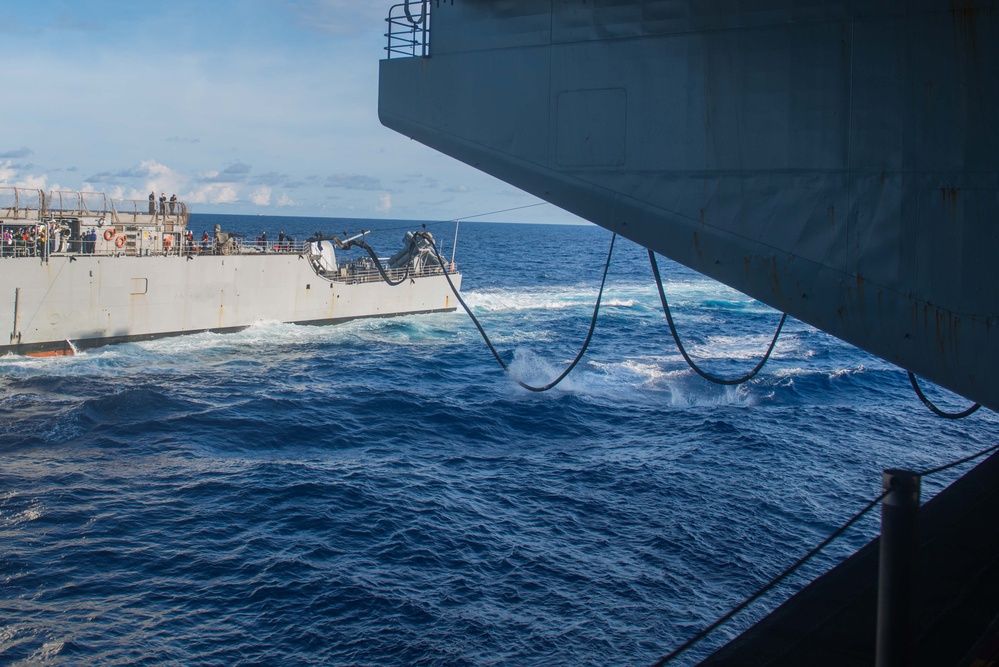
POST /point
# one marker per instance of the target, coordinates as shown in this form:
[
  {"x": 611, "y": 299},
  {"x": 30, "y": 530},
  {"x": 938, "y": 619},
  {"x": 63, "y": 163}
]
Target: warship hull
[
  {"x": 80, "y": 270},
  {"x": 80, "y": 301}
]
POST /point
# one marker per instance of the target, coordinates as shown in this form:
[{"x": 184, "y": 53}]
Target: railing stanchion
[{"x": 899, "y": 526}]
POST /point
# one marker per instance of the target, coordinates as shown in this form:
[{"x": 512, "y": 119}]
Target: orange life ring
[
  {"x": 120, "y": 241},
  {"x": 108, "y": 235}
]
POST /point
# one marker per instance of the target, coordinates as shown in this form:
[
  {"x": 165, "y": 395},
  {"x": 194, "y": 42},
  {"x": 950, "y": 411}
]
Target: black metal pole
[{"x": 899, "y": 525}]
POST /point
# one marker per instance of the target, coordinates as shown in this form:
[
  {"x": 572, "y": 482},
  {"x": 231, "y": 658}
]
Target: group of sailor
[
  {"x": 163, "y": 203},
  {"x": 284, "y": 243},
  {"x": 26, "y": 241}
]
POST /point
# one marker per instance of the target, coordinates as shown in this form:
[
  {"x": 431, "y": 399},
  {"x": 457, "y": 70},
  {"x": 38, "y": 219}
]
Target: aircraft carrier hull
[{"x": 835, "y": 160}]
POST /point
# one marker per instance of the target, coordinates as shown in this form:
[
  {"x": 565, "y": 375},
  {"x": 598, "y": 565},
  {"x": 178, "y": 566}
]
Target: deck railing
[
  {"x": 21, "y": 203},
  {"x": 24, "y": 204},
  {"x": 70, "y": 204},
  {"x": 409, "y": 29},
  {"x": 135, "y": 211}
]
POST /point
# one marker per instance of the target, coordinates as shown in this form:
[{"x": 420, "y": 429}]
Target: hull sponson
[
  {"x": 838, "y": 161},
  {"x": 93, "y": 300}
]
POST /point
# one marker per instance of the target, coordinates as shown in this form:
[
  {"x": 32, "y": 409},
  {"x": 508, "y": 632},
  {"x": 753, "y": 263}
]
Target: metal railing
[
  {"x": 65, "y": 203},
  {"x": 135, "y": 211},
  {"x": 409, "y": 30},
  {"x": 21, "y": 203},
  {"x": 37, "y": 205}
]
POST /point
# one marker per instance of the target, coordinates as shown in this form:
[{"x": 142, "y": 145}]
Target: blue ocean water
[{"x": 381, "y": 493}]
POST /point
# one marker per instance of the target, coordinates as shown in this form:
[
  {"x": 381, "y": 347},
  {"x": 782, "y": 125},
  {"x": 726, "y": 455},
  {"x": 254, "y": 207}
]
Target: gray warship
[
  {"x": 81, "y": 270},
  {"x": 836, "y": 160}
]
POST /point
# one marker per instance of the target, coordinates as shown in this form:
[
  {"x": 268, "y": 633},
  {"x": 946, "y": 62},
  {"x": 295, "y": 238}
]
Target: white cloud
[
  {"x": 7, "y": 172},
  {"x": 36, "y": 183},
  {"x": 154, "y": 169},
  {"x": 285, "y": 200},
  {"x": 213, "y": 193},
  {"x": 384, "y": 203},
  {"x": 261, "y": 196}
]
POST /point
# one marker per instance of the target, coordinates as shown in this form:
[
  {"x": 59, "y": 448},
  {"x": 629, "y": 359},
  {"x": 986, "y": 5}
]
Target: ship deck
[{"x": 956, "y": 615}]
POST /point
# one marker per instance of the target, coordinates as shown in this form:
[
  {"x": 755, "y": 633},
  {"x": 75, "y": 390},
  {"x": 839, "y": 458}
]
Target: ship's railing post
[
  {"x": 408, "y": 31},
  {"x": 899, "y": 526}
]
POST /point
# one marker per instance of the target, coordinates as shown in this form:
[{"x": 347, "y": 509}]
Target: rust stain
[
  {"x": 697, "y": 246},
  {"x": 774, "y": 277},
  {"x": 949, "y": 196},
  {"x": 965, "y": 16},
  {"x": 832, "y": 214},
  {"x": 861, "y": 305},
  {"x": 940, "y": 338}
]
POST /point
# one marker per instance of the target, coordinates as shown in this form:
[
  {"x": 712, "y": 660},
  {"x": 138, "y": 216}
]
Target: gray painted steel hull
[
  {"x": 836, "y": 160},
  {"x": 92, "y": 300}
]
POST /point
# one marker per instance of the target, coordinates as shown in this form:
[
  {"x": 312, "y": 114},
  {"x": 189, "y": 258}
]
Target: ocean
[{"x": 382, "y": 493}]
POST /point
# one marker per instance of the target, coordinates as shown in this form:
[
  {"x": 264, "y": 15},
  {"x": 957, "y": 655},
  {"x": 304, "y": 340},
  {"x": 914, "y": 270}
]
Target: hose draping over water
[
  {"x": 934, "y": 409},
  {"x": 593, "y": 323},
  {"x": 503, "y": 365},
  {"x": 690, "y": 362}
]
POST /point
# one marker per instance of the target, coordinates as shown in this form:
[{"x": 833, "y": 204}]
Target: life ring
[
  {"x": 120, "y": 241},
  {"x": 108, "y": 235}
]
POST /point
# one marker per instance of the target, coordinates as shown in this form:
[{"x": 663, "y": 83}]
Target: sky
[{"x": 235, "y": 106}]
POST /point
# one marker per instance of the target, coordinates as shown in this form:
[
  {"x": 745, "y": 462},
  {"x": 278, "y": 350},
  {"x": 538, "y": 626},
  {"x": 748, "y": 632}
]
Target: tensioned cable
[
  {"x": 505, "y": 210},
  {"x": 776, "y": 580},
  {"x": 934, "y": 409},
  {"x": 503, "y": 365},
  {"x": 690, "y": 362},
  {"x": 804, "y": 559},
  {"x": 966, "y": 459},
  {"x": 462, "y": 219}
]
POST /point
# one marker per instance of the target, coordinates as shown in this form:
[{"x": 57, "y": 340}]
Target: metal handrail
[
  {"x": 137, "y": 211},
  {"x": 67, "y": 203},
  {"x": 20, "y": 203},
  {"x": 408, "y": 36}
]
